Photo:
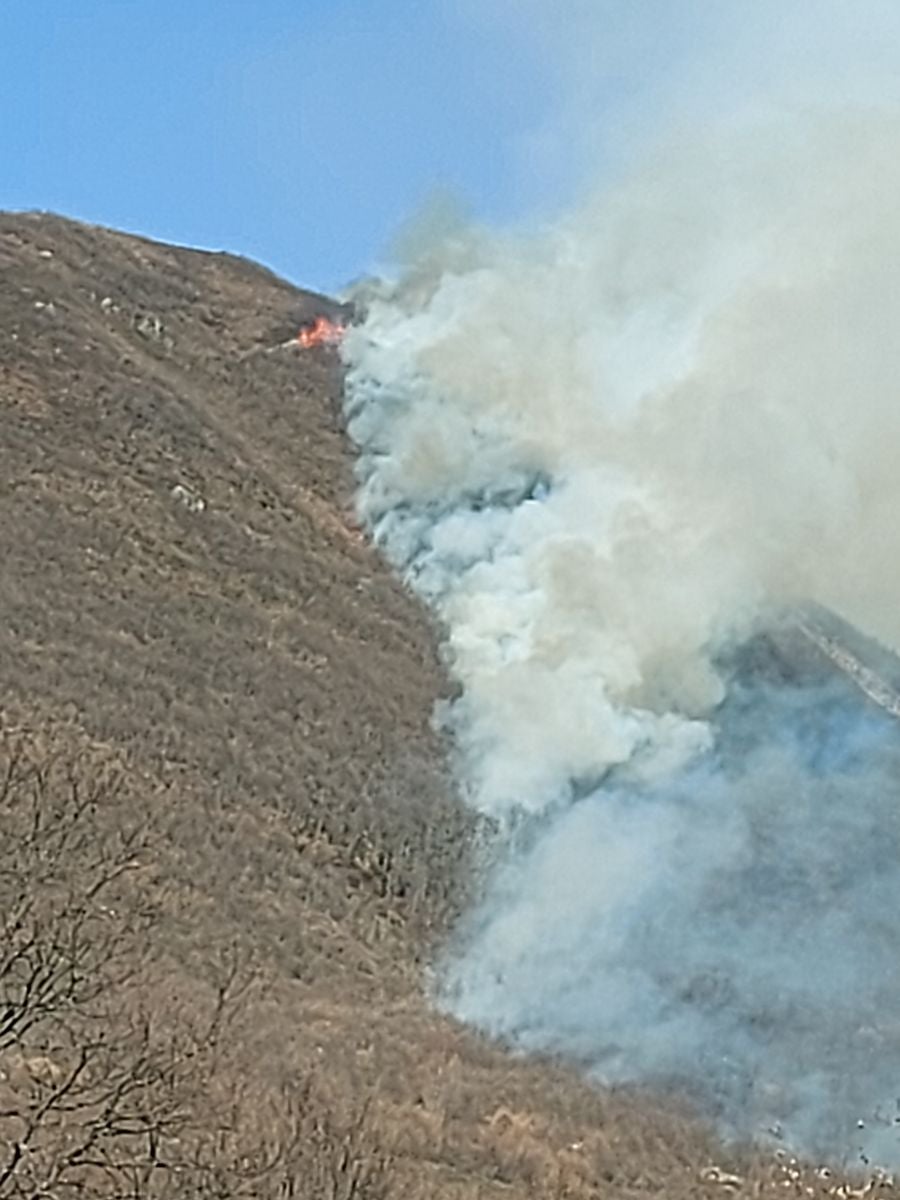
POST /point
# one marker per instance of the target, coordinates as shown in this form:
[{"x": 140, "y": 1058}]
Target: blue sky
[
  {"x": 305, "y": 133},
  {"x": 298, "y": 133}
]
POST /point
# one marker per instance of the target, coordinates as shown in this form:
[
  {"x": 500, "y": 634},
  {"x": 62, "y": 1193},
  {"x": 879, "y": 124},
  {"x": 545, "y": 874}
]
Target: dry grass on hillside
[
  {"x": 152, "y": 1046},
  {"x": 227, "y": 840}
]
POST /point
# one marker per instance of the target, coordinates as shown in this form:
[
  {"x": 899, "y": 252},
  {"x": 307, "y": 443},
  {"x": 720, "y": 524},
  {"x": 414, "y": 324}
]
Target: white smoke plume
[{"x": 607, "y": 452}]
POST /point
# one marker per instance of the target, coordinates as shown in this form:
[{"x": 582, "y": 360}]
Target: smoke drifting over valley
[{"x": 610, "y": 454}]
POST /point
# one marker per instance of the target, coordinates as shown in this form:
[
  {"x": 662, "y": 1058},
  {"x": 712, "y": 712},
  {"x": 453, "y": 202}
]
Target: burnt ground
[{"x": 186, "y": 603}]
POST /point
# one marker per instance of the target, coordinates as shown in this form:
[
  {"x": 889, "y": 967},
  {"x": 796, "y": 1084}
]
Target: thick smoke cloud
[{"x": 606, "y": 453}]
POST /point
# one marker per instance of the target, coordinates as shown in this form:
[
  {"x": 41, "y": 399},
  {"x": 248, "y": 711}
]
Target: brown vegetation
[{"x": 227, "y": 843}]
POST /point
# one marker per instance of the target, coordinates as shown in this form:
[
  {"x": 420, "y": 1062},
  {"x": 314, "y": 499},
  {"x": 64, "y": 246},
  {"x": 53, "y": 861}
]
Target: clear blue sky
[{"x": 298, "y": 133}]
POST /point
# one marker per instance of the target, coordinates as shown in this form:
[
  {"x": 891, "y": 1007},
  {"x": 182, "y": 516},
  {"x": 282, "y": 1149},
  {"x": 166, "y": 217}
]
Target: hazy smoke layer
[{"x": 604, "y": 454}]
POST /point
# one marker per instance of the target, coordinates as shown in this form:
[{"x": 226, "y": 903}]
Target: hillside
[{"x": 228, "y": 842}]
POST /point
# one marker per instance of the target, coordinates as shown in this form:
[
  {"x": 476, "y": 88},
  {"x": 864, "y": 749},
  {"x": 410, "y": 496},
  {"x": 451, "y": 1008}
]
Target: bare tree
[
  {"x": 112, "y": 1081},
  {"x": 64, "y": 932}
]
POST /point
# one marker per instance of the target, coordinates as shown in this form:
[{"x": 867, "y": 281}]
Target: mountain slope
[
  {"x": 133, "y": 378},
  {"x": 222, "y": 696}
]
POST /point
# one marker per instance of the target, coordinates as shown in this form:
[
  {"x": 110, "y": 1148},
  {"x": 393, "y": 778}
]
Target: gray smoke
[{"x": 607, "y": 453}]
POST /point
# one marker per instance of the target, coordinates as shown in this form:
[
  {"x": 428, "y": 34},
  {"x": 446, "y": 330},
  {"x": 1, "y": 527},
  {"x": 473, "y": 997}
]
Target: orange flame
[{"x": 321, "y": 331}]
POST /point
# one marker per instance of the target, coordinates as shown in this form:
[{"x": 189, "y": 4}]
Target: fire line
[{"x": 320, "y": 331}]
